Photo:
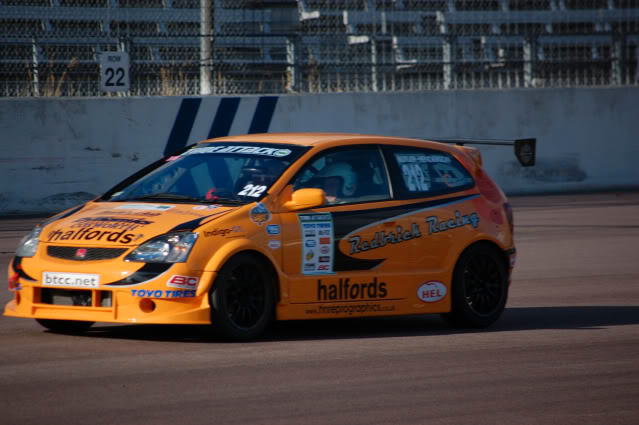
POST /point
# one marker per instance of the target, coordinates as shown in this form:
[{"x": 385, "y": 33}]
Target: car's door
[{"x": 354, "y": 249}]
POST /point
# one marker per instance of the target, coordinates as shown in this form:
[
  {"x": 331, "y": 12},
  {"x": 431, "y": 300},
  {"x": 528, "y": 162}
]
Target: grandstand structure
[{"x": 53, "y": 47}]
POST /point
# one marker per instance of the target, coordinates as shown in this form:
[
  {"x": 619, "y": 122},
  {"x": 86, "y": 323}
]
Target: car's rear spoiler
[{"x": 525, "y": 149}]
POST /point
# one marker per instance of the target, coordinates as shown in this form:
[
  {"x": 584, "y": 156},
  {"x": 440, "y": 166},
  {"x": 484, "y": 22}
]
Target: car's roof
[{"x": 315, "y": 139}]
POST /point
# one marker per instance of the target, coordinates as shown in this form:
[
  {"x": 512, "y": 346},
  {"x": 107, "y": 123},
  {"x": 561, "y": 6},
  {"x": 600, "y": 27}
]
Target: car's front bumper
[{"x": 138, "y": 304}]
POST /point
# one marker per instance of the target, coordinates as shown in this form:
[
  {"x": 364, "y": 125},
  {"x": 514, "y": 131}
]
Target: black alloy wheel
[
  {"x": 479, "y": 288},
  {"x": 483, "y": 286},
  {"x": 242, "y": 299}
]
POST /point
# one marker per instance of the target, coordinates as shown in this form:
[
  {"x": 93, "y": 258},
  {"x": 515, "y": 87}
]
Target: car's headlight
[
  {"x": 29, "y": 244},
  {"x": 169, "y": 248}
]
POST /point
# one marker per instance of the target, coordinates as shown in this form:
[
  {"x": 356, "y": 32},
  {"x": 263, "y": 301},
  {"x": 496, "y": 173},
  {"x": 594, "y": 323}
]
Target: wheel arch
[
  {"x": 489, "y": 244},
  {"x": 259, "y": 256}
]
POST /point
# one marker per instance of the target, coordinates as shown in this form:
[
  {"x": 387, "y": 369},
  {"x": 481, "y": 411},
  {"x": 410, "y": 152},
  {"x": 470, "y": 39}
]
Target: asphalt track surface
[{"x": 566, "y": 351}]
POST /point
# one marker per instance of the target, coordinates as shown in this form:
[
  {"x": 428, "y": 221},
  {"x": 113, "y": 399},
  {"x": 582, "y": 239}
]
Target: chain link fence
[{"x": 190, "y": 47}]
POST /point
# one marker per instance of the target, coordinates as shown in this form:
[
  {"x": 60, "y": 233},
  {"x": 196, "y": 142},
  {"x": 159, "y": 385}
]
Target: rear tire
[
  {"x": 65, "y": 326},
  {"x": 241, "y": 299},
  {"x": 479, "y": 288}
]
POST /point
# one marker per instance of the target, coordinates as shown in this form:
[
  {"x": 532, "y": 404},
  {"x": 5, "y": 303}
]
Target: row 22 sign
[{"x": 114, "y": 74}]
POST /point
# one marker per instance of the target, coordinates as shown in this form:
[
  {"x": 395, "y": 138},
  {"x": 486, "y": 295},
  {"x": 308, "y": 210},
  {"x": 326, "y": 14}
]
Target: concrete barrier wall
[{"x": 57, "y": 153}]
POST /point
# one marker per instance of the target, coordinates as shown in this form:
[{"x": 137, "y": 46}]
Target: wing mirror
[{"x": 305, "y": 198}]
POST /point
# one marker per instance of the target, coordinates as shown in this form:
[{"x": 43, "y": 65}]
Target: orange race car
[{"x": 238, "y": 231}]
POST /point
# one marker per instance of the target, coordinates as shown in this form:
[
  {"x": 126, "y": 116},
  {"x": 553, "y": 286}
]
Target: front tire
[
  {"x": 241, "y": 299},
  {"x": 479, "y": 288},
  {"x": 65, "y": 326}
]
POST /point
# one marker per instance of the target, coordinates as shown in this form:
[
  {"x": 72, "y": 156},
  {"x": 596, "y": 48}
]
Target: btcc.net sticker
[{"x": 72, "y": 280}]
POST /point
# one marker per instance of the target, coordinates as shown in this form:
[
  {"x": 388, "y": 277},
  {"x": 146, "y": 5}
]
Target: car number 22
[{"x": 250, "y": 190}]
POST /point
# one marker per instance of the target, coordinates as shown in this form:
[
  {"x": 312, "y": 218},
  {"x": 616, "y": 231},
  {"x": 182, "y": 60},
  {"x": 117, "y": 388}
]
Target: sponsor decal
[
  {"x": 150, "y": 207},
  {"x": 344, "y": 290},
  {"x": 247, "y": 150},
  {"x": 260, "y": 214},
  {"x": 71, "y": 280},
  {"x": 436, "y": 226},
  {"x": 273, "y": 229},
  {"x": 431, "y": 292},
  {"x": 185, "y": 282},
  {"x": 350, "y": 308},
  {"x": 89, "y": 233},
  {"x": 217, "y": 232},
  {"x": 382, "y": 238},
  {"x": 416, "y": 158},
  {"x": 105, "y": 222},
  {"x": 313, "y": 225},
  {"x": 158, "y": 293},
  {"x": 274, "y": 244},
  {"x": 172, "y": 158},
  {"x": 136, "y": 213},
  {"x": 206, "y": 207}
]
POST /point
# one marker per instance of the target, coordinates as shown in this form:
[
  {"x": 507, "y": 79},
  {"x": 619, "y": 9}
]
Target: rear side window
[{"x": 418, "y": 173}]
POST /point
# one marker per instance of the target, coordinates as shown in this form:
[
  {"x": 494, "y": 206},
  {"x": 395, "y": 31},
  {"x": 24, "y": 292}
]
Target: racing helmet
[{"x": 345, "y": 173}]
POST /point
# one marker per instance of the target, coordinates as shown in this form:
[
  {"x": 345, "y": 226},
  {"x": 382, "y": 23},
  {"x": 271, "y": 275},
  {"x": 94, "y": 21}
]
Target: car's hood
[{"x": 127, "y": 223}]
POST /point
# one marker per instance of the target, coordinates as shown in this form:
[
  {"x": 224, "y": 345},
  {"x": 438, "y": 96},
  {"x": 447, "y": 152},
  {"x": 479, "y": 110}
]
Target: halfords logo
[
  {"x": 347, "y": 290},
  {"x": 89, "y": 233}
]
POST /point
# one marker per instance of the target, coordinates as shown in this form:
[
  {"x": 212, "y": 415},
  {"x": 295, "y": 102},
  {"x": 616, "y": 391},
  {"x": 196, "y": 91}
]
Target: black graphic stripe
[
  {"x": 189, "y": 226},
  {"x": 347, "y": 222},
  {"x": 147, "y": 272},
  {"x": 17, "y": 268}
]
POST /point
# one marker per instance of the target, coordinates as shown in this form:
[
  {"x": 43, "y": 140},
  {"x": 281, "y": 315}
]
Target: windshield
[{"x": 209, "y": 173}]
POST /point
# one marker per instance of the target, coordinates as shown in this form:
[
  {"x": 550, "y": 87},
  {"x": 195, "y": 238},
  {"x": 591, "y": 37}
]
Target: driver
[{"x": 339, "y": 181}]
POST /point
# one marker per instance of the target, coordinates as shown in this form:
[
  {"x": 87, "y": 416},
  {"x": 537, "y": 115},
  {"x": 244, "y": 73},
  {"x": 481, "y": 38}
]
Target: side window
[
  {"x": 426, "y": 172},
  {"x": 346, "y": 175}
]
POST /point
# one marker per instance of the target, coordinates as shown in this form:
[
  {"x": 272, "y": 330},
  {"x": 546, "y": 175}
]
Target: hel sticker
[
  {"x": 273, "y": 229},
  {"x": 317, "y": 251},
  {"x": 274, "y": 244},
  {"x": 431, "y": 292},
  {"x": 185, "y": 282},
  {"x": 72, "y": 280},
  {"x": 254, "y": 191},
  {"x": 246, "y": 150},
  {"x": 260, "y": 214},
  {"x": 144, "y": 207}
]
